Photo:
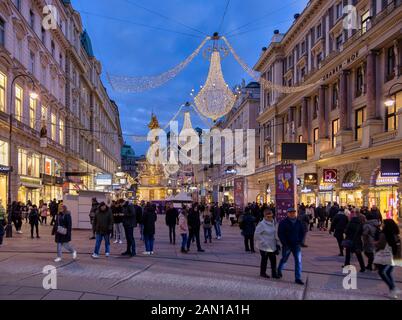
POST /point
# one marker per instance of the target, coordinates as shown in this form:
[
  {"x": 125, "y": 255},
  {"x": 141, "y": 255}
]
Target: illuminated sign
[
  {"x": 104, "y": 180},
  {"x": 310, "y": 179},
  {"x": 306, "y": 190},
  {"x": 390, "y": 168},
  {"x": 326, "y": 188},
  {"x": 330, "y": 175},
  {"x": 348, "y": 185}
]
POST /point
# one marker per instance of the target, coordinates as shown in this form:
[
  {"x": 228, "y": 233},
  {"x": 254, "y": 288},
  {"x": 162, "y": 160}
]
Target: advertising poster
[
  {"x": 285, "y": 185},
  {"x": 239, "y": 193}
]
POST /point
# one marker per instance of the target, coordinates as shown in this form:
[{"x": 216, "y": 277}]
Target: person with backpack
[
  {"x": 34, "y": 221},
  {"x": 371, "y": 233},
  {"x": 149, "y": 219},
  {"x": 388, "y": 251},
  {"x": 268, "y": 243},
  {"x": 248, "y": 228},
  {"x": 207, "y": 225}
]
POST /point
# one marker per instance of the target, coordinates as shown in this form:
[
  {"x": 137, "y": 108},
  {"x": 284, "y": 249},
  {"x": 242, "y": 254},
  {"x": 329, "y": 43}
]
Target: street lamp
[
  {"x": 34, "y": 95},
  {"x": 390, "y": 102}
]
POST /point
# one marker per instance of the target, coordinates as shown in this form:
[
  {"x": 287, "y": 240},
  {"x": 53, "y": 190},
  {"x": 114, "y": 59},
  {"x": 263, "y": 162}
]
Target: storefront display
[
  {"x": 351, "y": 192},
  {"x": 326, "y": 194},
  {"x": 29, "y": 189},
  {"x": 385, "y": 196},
  {"x": 307, "y": 196}
]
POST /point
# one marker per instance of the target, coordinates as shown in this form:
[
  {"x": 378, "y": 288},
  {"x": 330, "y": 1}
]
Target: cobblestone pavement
[{"x": 224, "y": 271}]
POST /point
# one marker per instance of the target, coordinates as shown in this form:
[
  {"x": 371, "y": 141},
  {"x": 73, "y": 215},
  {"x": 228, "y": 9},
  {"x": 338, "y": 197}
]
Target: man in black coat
[
  {"x": 338, "y": 226},
  {"x": 194, "y": 224},
  {"x": 248, "y": 229},
  {"x": 53, "y": 207},
  {"x": 291, "y": 234},
  {"x": 129, "y": 223},
  {"x": 172, "y": 219}
]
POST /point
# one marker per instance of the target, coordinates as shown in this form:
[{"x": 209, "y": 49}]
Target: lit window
[
  {"x": 53, "y": 126},
  {"x": 300, "y": 139},
  {"x": 18, "y": 102},
  {"x": 335, "y": 131},
  {"x": 3, "y": 85},
  {"x": 365, "y": 19},
  {"x": 316, "y": 135},
  {"x": 392, "y": 113},
  {"x": 61, "y": 132},
  {"x": 359, "y": 123},
  {"x": 32, "y": 113}
]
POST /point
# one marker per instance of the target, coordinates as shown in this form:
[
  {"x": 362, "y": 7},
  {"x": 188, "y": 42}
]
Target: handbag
[
  {"x": 384, "y": 257},
  {"x": 61, "y": 230}
]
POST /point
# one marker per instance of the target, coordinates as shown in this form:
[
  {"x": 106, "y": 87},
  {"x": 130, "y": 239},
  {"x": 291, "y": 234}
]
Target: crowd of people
[{"x": 357, "y": 231}]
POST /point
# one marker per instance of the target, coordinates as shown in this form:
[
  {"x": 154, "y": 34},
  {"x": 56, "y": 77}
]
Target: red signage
[{"x": 330, "y": 176}]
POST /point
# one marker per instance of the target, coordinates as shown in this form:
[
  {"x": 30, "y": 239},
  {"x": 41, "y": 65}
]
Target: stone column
[
  {"x": 291, "y": 124},
  {"x": 371, "y": 86},
  {"x": 322, "y": 118},
  {"x": 399, "y": 115},
  {"x": 305, "y": 120}
]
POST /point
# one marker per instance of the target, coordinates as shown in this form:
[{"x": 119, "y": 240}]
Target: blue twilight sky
[{"x": 126, "y": 48}]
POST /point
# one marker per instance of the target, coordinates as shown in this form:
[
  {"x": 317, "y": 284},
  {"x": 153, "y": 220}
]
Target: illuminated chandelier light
[
  {"x": 264, "y": 82},
  {"x": 141, "y": 84},
  {"x": 215, "y": 99}
]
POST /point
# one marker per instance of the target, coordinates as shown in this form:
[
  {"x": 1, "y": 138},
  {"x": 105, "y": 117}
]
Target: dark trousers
[
  {"x": 172, "y": 233},
  {"x": 53, "y": 221},
  {"x": 194, "y": 233},
  {"x": 359, "y": 257},
  {"x": 249, "y": 243},
  {"x": 339, "y": 238},
  {"x": 385, "y": 273},
  {"x": 370, "y": 257},
  {"x": 2, "y": 231},
  {"x": 129, "y": 232},
  {"x": 44, "y": 220},
  {"x": 264, "y": 263},
  {"x": 36, "y": 226},
  {"x": 17, "y": 223}
]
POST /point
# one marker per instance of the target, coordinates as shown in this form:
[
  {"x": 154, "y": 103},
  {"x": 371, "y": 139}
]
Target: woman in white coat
[{"x": 267, "y": 241}]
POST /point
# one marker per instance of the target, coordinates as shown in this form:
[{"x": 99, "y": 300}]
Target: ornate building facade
[
  {"x": 344, "y": 118},
  {"x": 83, "y": 126}
]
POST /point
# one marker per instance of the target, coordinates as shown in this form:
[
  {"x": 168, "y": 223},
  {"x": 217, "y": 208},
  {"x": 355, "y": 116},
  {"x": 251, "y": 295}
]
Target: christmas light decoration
[
  {"x": 215, "y": 99},
  {"x": 141, "y": 84}
]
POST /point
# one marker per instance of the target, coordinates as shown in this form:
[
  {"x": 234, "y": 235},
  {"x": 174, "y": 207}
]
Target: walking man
[
  {"x": 291, "y": 234},
  {"x": 172, "y": 218},
  {"x": 194, "y": 224},
  {"x": 129, "y": 223}
]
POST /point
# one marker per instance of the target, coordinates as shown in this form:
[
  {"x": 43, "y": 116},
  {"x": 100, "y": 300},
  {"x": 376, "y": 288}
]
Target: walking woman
[
  {"x": 268, "y": 243},
  {"x": 370, "y": 230},
  {"x": 388, "y": 247},
  {"x": 183, "y": 229},
  {"x": 149, "y": 219},
  {"x": 62, "y": 233},
  {"x": 353, "y": 242},
  {"x": 43, "y": 213}
]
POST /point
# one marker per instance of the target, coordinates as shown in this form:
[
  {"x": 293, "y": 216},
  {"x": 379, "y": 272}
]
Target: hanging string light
[
  {"x": 264, "y": 82},
  {"x": 141, "y": 84},
  {"x": 215, "y": 99}
]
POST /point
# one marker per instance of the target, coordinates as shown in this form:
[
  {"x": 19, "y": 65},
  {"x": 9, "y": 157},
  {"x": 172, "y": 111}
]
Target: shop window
[
  {"x": 48, "y": 170},
  {"x": 335, "y": 131},
  {"x": 392, "y": 113},
  {"x": 28, "y": 164},
  {"x": 365, "y": 18},
  {"x": 359, "y": 120},
  {"x": 3, "y": 85},
  {"x": 390, "y": 64},
  {"x": 18, "y": 102},
  {"x": 32, "y": 113}
]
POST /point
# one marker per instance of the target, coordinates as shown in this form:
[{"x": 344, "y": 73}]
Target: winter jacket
[
  {"x": 207, "y": 221},
  {"x": 291, "y": 233},
  {"x": 248, "y": 225},
  {"x": 148, "y": 219},
  {"x": 2, "y": 215},
  {"x": 64, "y": 220},
  {"x": 304, "y": 219},
  {"x": 94, "y": 208},
  {"x": 376, "y": 214},
  {"x": 183, "y": 226},
  {"x": 16, "y": 212},
  {"x": 193, "y": 219},
  {"x": 129, "y": 216},
  {"x": 339, "y": 223},
  {"x": 43, "y": 211},
  {"x": 103, "y": 222},
  {"x": 117, "y": 212},
  {"x": 171, "y": 217},
  {"x": 333, "y": 212},
  {"x": 354, "y": 232},
  {"x": 33, "y": 216},
  {"x": 53, "y": 208},
  {"x": 138, "y": 213},
  {"x": 370, "y": 228},
  {"x": 266, "y": 236}
]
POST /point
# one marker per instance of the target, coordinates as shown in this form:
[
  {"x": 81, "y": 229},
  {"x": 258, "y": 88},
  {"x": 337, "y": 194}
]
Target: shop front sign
[
  {"x": 310, "y": 179},
  {"x": 330, "y": 175},
  {"x": 5, "y": 169},
  {"x": 326, "y": 188},
  {"x": 349, "y": 185},
  {"x": 306, "y": 190},
  {"x": 390, "y": 168}
]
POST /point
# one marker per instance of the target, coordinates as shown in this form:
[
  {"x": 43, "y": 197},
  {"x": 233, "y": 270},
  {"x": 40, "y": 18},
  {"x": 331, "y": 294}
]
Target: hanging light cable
[
  {"x": 141, "y": 84},
  {"x": 264, "y": 82}
]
